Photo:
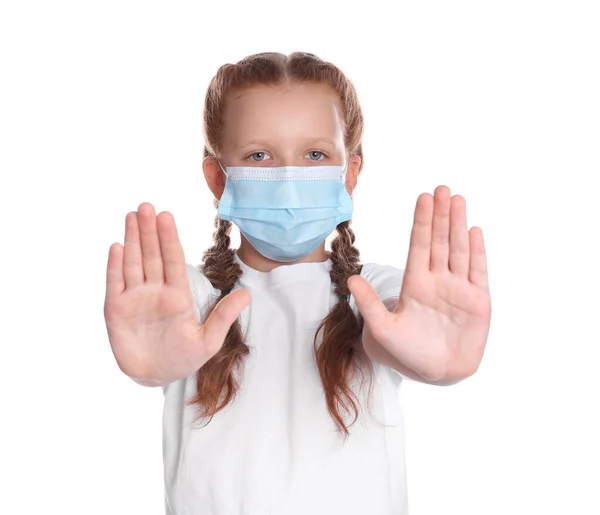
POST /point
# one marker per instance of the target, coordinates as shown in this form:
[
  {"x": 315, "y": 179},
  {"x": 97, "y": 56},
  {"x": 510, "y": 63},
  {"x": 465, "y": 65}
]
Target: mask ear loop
[
  {"x": 221, "y": 166},
  {"x": 226, "y": 179},
  {"x": 344, "y": 172}
]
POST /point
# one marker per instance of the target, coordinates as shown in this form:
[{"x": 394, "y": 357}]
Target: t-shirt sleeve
[
  {"x": 386, "y": 280},
  {"x": 203, "y": 294}
]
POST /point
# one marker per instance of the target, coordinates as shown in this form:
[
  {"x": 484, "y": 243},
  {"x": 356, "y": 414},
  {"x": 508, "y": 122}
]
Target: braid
[
  {"x": 341, "y": 352},
  {"x": 219, "y": 266},
  {"x": 345, "y": 258},
  {"x": 216, "y": 378}
]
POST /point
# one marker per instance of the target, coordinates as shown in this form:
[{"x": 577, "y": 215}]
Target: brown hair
[{"x": 340, "y": 353}]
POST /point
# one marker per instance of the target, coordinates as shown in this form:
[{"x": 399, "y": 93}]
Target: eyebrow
[{"x": 312, "y": 140}]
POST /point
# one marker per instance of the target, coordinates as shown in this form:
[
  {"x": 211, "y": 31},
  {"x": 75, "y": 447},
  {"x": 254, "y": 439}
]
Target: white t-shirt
[{"x": 275, "y": 450}]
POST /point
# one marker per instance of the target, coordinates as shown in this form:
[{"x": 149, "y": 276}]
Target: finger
[
  {"x": 440, "y": 234},
  {"x": 459, "y": 237},
  {"x": 374, "y": 312},
  {"x": 133, "y": 270},
  {"x": 478, "y": 273},
  {"x": 173, "y": 257},
  {"x": 224, "y": 315},
  {"x": 419, "y": 251},
  {"x": 115, "y": 281},
  {"x": 151, "y": 256}
]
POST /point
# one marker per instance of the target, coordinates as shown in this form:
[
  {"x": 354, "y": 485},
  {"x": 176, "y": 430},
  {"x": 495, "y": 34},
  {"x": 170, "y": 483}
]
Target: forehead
[{"x": 281, "y": 111}]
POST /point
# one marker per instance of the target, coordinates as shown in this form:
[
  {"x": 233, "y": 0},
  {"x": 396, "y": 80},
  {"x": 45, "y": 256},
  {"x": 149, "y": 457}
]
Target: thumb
[
  {"x": 370, "y": 306},
  {"x": 224, "y": 315}
]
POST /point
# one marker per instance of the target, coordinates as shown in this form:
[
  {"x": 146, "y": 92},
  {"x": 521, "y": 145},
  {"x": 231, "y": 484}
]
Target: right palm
[{"x": 153, "y": 329}]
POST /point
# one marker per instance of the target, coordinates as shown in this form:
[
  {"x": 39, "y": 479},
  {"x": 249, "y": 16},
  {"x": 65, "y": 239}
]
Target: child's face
[
  {"x": 272, "y": 126},
  {"x": 297, "y": 125}
]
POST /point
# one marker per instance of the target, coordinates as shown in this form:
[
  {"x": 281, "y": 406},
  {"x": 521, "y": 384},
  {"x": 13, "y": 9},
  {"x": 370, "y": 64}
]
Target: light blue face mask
[{"x": 285, "y": 213}]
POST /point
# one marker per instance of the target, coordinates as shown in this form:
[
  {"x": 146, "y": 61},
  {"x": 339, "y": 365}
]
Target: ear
[
  {"x": 352, "y": 172},
  {"x": 215, "y": 178}
]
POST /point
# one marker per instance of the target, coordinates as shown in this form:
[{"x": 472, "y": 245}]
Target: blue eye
[
  {"x": 255, "y": 153},
  {"x": 317, "y": 152}
]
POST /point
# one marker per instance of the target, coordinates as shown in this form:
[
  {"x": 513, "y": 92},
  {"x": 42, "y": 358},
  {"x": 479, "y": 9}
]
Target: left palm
[{"x": 440, "y": 324}]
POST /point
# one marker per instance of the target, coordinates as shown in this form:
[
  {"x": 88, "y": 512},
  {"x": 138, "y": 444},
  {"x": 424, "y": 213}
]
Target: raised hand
[
  {"x": 440, "y": 324},
  {"x": 152, "y": 326}
]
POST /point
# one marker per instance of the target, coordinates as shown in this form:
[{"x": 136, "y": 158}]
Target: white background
[{"x": 101, "y": 109}]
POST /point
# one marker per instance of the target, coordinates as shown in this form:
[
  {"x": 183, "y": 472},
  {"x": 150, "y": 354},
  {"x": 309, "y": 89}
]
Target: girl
[{"x": 259, "y": 350}]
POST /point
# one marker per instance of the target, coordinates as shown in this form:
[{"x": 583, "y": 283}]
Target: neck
[{"x": 254, "y": 259}]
